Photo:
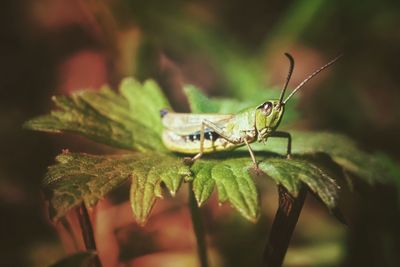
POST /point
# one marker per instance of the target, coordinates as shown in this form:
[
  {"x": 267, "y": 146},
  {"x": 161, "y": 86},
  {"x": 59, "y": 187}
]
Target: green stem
[
  {"x": 283, "y": 226},
  {"x": 198, "y": 228},
  {"x": 87, "y": 233}
]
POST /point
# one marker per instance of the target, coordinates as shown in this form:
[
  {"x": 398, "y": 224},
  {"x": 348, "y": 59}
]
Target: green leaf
[
  {"x": 199, "y": 103},
  {"x": 109, "y": 118},
  {"x": 146, "y": 182},
  {"x": 145, "y": 102},
  {"x": 80, "y": 259},
  {"x": 370, "y": 167},
  {"x": 78, "y": 117},
  {"x": 88, "y": 178},
  {"x": 82, "y": 177},
  {"x": 233, "y": 182},
  {"x": 290, "y": 174}
]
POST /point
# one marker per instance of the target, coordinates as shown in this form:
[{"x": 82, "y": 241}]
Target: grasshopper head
[
  {"x": 269, "y": 114},
  {"x": 268, "y": 117}
]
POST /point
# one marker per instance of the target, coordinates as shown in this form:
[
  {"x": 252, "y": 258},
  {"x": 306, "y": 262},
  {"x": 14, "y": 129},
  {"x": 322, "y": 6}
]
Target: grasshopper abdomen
[{"x": 208, "y": 135}]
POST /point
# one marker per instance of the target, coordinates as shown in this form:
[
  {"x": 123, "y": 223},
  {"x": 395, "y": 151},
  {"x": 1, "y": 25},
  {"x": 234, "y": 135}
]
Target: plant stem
[
  {"x": 87, "y": 232},
  {"x": 198, "y": 228},
  {"x": 282, "y": 228}
]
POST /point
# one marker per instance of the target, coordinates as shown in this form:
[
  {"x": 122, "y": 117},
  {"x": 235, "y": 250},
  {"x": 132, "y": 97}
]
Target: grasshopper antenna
[
  {"x": 291, "y": 67},
  {"x": 311, "y": 76}
]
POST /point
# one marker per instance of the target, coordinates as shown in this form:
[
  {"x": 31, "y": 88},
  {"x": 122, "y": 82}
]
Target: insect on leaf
[{"x": 131, "y": 120}]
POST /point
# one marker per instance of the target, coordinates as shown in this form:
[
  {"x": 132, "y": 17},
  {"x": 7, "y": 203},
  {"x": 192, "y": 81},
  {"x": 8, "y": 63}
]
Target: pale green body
[{"x": 182, "y": 130}]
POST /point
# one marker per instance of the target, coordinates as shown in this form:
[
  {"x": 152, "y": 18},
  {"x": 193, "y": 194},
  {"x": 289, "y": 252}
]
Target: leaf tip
[
  {"x": 200, "y": 201},
  {"x": 27, "y": 125},
  {"x": 254, "y": 219},
  {"x": 141, "y": 221},
  {"x": 252, "y": 215},
  {"x": 337, "y": 213},
  {"x": 140, "y": 216}
]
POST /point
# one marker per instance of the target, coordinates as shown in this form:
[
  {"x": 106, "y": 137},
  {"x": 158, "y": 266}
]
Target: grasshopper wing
[{"x": 188, "y": 123}]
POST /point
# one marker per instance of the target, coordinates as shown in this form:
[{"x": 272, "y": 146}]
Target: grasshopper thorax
[{"x": 268, "y": 116}]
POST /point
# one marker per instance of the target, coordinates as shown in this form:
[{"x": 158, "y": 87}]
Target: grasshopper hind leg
[
  {"x": 214, "y": 133},
  {"x": 196, "y": 157},
  {"x": 189, "y": 160}
]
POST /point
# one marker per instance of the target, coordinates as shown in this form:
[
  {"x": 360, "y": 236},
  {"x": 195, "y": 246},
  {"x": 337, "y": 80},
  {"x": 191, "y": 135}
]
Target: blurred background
[{"x": 227, "y": 48}]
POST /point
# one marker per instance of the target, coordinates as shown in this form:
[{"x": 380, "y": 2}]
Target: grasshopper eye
[{"x": 266, "y": 108}]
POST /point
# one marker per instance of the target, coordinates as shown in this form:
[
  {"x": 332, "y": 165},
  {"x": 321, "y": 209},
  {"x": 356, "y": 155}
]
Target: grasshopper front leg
[
  {"x": 253, "y": 158},
  {"x": 288, "y": 137}
]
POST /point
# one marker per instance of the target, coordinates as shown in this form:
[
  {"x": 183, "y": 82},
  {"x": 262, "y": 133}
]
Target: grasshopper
[{"x": 197, "y": 134}]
